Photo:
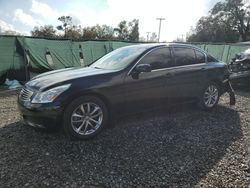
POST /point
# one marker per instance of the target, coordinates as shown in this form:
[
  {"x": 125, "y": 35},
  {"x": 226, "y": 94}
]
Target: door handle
[
  {"x": 169, "y": 75},
  {"x": 203, "y": 69}
]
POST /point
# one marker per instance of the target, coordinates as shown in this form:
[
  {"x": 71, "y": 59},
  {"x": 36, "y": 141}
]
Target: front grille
[{"x": 25, "y": 94}]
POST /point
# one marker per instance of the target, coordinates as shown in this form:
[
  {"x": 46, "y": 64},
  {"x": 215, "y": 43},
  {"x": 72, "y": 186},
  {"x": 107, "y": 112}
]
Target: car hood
[{"x": 57, "y": 77}]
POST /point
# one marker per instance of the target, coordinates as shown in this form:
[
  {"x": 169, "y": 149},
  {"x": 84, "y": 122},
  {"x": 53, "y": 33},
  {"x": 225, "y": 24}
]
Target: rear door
[{"x": 186, "y": 79}]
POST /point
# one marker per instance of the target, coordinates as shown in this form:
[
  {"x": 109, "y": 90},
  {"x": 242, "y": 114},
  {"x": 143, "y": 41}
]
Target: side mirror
[{"x": 143, "y": 68}]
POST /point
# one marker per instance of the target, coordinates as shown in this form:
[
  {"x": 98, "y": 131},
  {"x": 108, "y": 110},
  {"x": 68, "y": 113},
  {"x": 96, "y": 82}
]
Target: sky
[{"x": 23, "y": 15}]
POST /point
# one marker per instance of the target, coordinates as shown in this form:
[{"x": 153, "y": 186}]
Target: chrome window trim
[{"x": 174, "y": 67}]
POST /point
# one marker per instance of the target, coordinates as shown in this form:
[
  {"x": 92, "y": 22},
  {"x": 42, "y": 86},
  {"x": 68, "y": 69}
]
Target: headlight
[{"x": 50, "y": 95}]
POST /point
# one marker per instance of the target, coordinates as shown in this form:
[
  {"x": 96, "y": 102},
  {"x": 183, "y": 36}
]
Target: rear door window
[{"x": 184, "y": 56}]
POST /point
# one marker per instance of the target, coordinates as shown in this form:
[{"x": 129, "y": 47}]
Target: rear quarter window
[
  {"x": 200, "y": 57},
  {"x": 211, "y": 59}
]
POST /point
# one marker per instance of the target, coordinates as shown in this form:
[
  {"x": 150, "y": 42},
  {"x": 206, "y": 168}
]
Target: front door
[{"x": 148, "y": 90}]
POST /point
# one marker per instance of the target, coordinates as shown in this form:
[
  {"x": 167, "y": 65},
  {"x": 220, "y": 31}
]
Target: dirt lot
[{"x": 182, "y": 147}]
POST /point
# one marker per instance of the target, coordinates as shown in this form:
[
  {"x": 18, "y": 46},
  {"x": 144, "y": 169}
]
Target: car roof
[{"x": 155, "y": 45}]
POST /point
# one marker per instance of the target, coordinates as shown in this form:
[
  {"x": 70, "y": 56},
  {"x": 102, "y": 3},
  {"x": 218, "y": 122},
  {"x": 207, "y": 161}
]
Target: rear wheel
[
  {"x": 85, "y": 117},
  {"x": 210, "y": 96}
]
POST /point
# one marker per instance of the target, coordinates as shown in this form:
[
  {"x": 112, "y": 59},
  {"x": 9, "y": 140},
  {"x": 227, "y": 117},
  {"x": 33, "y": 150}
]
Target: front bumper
[{"x": 40, "y": 115}]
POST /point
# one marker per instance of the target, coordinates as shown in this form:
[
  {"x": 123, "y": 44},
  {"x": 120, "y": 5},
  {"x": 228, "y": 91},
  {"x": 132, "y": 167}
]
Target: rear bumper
[{"x": 41, "y": 116}]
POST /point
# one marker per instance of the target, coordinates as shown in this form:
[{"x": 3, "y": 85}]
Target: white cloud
[
  {"x": 43, "y": 9},
  {"x": 9, "y": 29},
  {"x": 26, "y": 19},
  {"x": 179, "y": 15},
  {"x": 210, "y": 4},
  {"x": 5, "y": 26}
]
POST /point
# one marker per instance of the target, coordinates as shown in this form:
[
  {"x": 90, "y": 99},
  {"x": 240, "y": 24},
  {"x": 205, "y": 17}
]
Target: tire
[
  {"x": 84, "y": 118},
  {"x": 210, "y": 96}
]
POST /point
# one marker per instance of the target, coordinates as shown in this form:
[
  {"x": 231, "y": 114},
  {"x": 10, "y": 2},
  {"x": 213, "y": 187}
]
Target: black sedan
[{"x": 130, "y": 79}]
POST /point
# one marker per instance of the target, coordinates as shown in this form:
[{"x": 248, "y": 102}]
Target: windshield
[{"x": 120, "y": 58}]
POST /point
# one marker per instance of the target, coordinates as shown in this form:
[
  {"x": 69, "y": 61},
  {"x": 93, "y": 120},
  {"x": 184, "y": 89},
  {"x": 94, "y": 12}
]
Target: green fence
[
  {"x": 19, "y": 54},
  {"x": 223, "y": 52},
  {"x": 10, "y": 59}
]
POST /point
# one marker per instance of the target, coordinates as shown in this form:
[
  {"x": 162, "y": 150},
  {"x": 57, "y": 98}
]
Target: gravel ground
[{"x": 181, "y": 147}]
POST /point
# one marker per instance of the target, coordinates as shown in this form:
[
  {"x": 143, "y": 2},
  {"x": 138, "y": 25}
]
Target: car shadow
[
  {"x": 243, "y": 91},
  {"x": 7, "y": 92},
  {"x": 171, "y": 148}
]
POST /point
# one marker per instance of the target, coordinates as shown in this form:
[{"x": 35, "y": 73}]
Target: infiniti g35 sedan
[{"x": 130, "y": 79}]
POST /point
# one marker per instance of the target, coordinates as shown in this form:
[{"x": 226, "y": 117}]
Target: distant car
[{"x": 127, "y": 80}]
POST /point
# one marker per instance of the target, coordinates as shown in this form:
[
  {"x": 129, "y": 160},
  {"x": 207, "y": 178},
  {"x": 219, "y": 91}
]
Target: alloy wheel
[
  {"x": 211, "y": 96},
  {"x": 86, "y": 118}
]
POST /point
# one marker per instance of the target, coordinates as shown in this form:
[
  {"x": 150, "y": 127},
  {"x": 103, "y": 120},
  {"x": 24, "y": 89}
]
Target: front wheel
[
  {"x": 85, "y": 117},
  {"x": 210, "y": 96}
]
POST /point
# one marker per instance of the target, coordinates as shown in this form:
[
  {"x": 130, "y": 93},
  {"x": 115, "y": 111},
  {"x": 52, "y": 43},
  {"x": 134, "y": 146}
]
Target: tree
[
  {"x": 46, "y": 31},
  {"x": 89, "y": 33},
  {"x": 134, "y": 30},
  {"x": 213, "y": 29},
  {"x": 70, "y": 31},
  {"x": 98, "y": 32},
  {"x": 123, "y": 30},
  {"x": 239, "y": 14},
  {"x": 104, "y": 32},
  {"x": 128, "y": 30},
  {"x": 66, "y": 23},
  {"x": 227, "y": 21},
  {"x": 153, "y": 37},
  {"x": 74, "y": 32}
]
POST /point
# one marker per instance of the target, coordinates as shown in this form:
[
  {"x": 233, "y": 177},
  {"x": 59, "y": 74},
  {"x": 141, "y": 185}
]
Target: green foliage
[
  {"x": 104, "y": 32},
  {"x": 73, "y": 32},
  {"x": 128, "y": 30},
  {"x": 46, "y": 31},
  {"x": 98, "y": 32},
  {"x": 123, "y": 30},
  {"x": 134, "y": 30},
  {"x": 89, "y": 33},
  {"x": 228, "y": 21},
  {"x": 70, "y": 31},
  {"x": 66, "y": 20}
]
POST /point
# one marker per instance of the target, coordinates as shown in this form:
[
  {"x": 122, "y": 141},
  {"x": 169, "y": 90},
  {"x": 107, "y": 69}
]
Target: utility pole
[
  {"x": 148, "y": 33},
  {"x": 159, "y": 27}
]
